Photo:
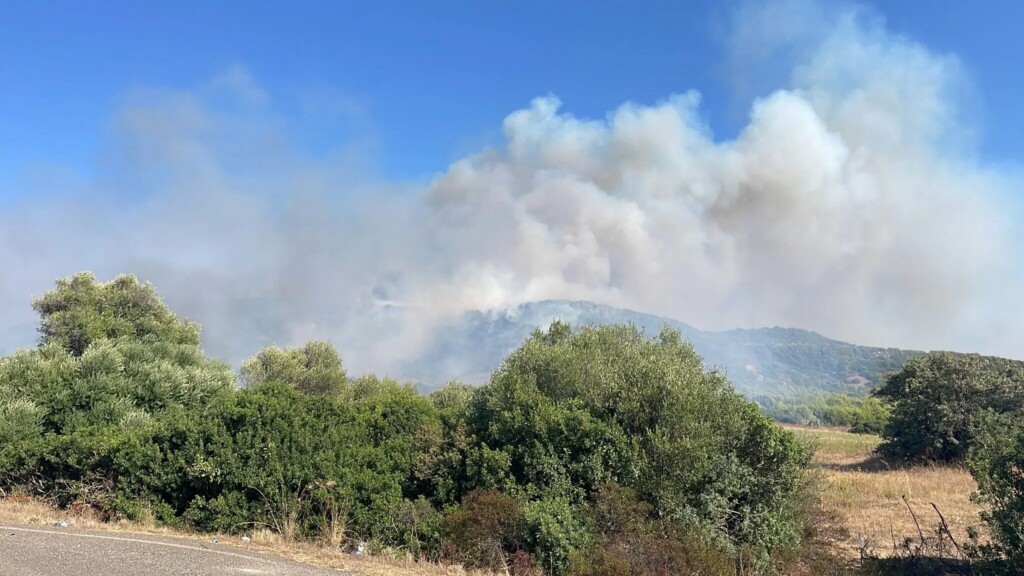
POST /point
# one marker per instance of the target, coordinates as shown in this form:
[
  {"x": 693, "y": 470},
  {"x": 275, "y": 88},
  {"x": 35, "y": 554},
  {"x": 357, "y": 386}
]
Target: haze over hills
[{"x": 764, "y": 361}]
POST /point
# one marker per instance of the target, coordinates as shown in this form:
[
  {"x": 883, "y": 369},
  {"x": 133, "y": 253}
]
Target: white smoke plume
[{"x": 851, "y": 204}]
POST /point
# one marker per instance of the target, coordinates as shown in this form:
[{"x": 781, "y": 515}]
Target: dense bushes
[
  {"x": 80, "y": 427},
  {"x": 592, "y": 452},
  {"x": 315, "y": 468},
  {"x": 570, "y": 412},
  {"x": 996, "y": 460},
  {"x": 487, "y": 529}
]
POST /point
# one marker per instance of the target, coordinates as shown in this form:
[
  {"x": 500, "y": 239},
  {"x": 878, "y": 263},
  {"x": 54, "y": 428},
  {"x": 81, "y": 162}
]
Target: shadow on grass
[
  {"x": 873, "y": 463},
  {"x": 930, "y": 566}
]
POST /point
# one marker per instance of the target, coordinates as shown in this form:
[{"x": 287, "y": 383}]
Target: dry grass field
[{"x": 863, "y": 495}]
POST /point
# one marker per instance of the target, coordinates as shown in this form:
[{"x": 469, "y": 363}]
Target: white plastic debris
[
  {"x": 246, "y": 539},
  {"x": 61, "y": 524},
  {"x": 360, "y": 549}
]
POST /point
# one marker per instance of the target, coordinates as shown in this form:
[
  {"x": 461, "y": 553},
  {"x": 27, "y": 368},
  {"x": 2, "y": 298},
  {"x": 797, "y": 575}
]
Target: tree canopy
[
  {"x": 936, "y": 396},
  {"x": 314, "y": 368},
  {"x": 81, "y": 311},
  {"x": 570, "y": 412}
]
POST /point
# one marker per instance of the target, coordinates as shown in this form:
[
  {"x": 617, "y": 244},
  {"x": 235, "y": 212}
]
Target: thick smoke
[{"x": 850, "y": 204}]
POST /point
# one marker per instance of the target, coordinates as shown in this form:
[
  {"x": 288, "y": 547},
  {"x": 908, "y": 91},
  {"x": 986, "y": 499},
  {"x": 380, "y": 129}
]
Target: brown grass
[
  {"x": 864, "y": 494},
  {"x": 20, "y": 510}
]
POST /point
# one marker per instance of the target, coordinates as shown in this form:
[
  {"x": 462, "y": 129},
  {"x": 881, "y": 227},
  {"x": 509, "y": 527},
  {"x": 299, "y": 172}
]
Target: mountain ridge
[{"x": 775, "y": 361}]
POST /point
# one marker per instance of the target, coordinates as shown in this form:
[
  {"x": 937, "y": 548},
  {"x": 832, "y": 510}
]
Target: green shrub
[
  {"x": 312, "y": 467},
  {"x": 575, "y": 411},
  {"x": 448, "y": 464},
  {"x": 871, "y": 428},
  {"x": 91, "y": 427},
  {"x": 996, "y": 460},
  {"x": 555, "y": 530},
  {"x": 21, "y": 438}
]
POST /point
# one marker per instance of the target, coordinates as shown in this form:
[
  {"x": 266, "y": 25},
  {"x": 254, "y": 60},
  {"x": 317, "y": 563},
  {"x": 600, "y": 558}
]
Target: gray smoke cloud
[{"x": 851, "y": 203}]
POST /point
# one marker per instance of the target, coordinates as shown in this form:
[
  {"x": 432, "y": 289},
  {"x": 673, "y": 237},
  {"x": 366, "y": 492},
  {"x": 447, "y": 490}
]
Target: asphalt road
[{"x": 35, "y": 551}]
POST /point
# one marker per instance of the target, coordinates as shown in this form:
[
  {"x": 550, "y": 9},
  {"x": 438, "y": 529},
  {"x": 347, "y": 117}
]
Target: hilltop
[{"x": 763, "y": 361}]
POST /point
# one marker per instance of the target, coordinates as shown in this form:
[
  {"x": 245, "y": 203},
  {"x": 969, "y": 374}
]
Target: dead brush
[{"x": 928, "y": 551}]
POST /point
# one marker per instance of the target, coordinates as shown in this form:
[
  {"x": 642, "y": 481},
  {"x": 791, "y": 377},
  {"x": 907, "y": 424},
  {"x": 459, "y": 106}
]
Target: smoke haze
[{"x": 851, "y": 203}]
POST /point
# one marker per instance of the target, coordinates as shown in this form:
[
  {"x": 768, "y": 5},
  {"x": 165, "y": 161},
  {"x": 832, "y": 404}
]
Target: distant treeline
[{"x": 861, "y": 414}]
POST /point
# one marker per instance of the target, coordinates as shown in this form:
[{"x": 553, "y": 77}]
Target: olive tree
[
  {"x": 314, "y": 368},
  {"x": 82, "y": 310},
  {"x": 80, "y": 413}
]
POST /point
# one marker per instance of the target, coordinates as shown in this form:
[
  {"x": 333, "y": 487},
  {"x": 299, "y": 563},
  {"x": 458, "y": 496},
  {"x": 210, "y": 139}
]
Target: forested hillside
[{"x": 773, "y": 362}]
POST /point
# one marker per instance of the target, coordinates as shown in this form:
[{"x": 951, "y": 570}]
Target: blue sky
[
  {"x": 853, "y": 169},
  {"x": 428, "y": 82}
]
